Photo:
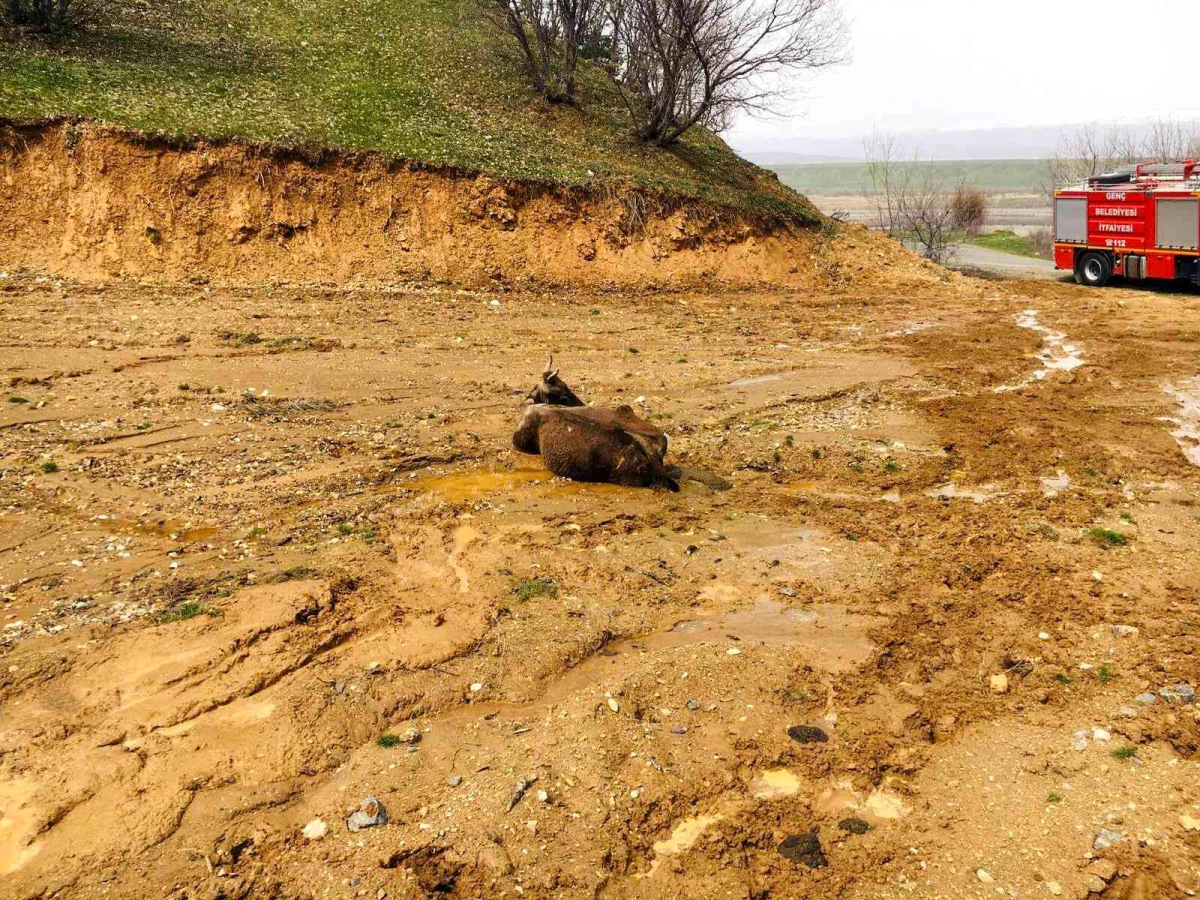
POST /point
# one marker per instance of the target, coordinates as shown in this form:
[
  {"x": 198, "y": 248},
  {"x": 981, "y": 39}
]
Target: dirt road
[{"x": 266, "y": 551}]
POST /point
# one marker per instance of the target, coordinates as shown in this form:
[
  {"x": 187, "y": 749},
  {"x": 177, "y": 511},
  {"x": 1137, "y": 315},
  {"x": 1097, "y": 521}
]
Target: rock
[
  {"x": 410, "y": 735},
  {"x": 315, "y": 830},
  {"x": 369, "y": 814},
  {"x": 1104, "y": 869},
  {"x": 614, "y": 705},
  {"x": 1189, "y": 823},
  {"x": 985, "y": 876},
  {"x": 1123, "y": 631},
  {"x": 1000, "y": 684},
  {"x": 1100, "y": 734},
  {"x": 1183, "y": 694},
  {"x": 693, "y": 704},
  {"x": 1128, "y": 712},
  {"x": 733, "y": 651},
  {"x": 678, "y": 731},
  {"x": 476, "y": 687},
  {"x": 1079, "y": 740},
  {"x": 854, "y": 826},
  {"x": 1105, "y": 839},
  {"x": 1146, "y": 698},
  {"x": 1054, "y": 888},
  {"x": 807, "y": 734},
  {"x": 1094, "y": 885},
  {"x": 455, "y": 780},
  {"x": 518, "y": 792},
  {"x": 804, "y": 848},
  {"x": 543, "y": 796},
  {"x": 1043, "y": 636}
]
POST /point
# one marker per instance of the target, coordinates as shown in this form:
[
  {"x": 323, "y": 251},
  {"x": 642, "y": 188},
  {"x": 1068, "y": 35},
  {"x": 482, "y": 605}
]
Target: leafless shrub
[
  {"x": 968, "y": 208},
  {"x": 1042, "y": 242},
  {"x": 682, "y": 63},
  {"x": 551, "y": 34}
]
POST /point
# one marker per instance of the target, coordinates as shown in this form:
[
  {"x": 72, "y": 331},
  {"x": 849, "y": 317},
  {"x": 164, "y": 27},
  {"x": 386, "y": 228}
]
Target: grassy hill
[{"x": 418, "y": 79}]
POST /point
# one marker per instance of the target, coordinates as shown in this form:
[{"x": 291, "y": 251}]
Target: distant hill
[{"x": 421, "y": 80}]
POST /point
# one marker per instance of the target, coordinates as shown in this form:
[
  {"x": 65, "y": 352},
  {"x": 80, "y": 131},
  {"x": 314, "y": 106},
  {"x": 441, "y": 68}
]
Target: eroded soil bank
[
  {"x": 92, "y": 202},
  {"x": 246, "y": 531}
]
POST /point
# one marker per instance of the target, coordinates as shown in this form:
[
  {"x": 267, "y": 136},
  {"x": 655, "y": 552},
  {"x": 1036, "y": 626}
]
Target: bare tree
[
  {"x": 682, "y": 63},
  {"x": 911, "y": 200},
  {"x": 1093, "y": 149},
  {"x": 551, "y": 35}
]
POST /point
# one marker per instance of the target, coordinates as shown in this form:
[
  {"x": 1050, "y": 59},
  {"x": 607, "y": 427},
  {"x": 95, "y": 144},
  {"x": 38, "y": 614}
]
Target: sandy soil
[{"x": 245, "y": 532}]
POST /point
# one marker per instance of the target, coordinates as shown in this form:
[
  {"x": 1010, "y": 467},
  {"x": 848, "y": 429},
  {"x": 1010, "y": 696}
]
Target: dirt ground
[{"x": 250, "y": 536}]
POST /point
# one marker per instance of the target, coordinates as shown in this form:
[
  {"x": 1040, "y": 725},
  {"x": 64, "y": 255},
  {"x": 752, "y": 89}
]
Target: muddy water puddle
[
  {"x": 1187, "y": 418},
  {"x": 1057, "y": 354},
  {"x": 479, "y": 484}
]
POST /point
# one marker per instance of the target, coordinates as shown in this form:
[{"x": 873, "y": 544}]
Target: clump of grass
[
  {"x": 526, "y": 589},
  {"x": 184, "y": 611},
  {"x": 1054, "y": 798},
  {"x": 1107, "y": 538},
  {"x": 345, "y": 528},
  {"x": 15, "y": 399},
  {"x": 1064, "y": 680},
  {"x": 1124, "y": 753},
  {"x": 388, "y": 741},
  {"x": 256, "y": 532},
  {"x": 50, "y": 467},
  {"x": 816, "y": 452},
  {"x": 891, "y": 466},
  {"x": 634, "y": 350},
  {"x": 144, "y": 426},
  {"x": 1128, "y": 518},
  {"x": 1106, "y": 673}
]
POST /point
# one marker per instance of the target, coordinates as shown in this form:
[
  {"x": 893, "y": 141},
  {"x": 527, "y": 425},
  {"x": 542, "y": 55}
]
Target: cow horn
[{"x": 549, "y": 366}]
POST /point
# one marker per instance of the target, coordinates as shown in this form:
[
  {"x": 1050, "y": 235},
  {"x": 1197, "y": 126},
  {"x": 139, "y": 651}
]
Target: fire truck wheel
[{"x": 1094, "y": 269}]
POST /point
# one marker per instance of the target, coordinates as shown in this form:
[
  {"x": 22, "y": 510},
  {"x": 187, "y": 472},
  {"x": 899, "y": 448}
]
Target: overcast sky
[{"x": 922, "y": 65}]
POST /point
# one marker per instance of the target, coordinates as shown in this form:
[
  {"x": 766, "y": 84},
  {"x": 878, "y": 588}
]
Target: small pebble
[
  {"x": 614, "y": 705},
  {"x": 985, "y": 876},
  {"x": 1105, "y": 838},
  {"x": 1099, "y": 734},
  {"x": 455, "y": 780}
]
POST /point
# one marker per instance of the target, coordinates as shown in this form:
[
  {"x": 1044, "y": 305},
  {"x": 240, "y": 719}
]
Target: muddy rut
[{"x": 266, "y": 550}]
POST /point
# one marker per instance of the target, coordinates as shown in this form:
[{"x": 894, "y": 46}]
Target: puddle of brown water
[{"x": 476, "y": 484}]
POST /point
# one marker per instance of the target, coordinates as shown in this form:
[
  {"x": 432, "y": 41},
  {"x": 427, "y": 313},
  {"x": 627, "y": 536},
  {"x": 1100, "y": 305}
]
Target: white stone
[
  {"x": 984, "y": 876},
  {"x": 614, "y": 705},
  {"x": 733, "y": 651},
  {"x": 315, "y": 830}
]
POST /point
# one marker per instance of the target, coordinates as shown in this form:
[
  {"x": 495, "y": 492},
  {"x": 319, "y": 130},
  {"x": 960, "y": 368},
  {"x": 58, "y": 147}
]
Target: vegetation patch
[
  {"x": 527, "y": 589},
  {"x": 1107, "y": 538}
]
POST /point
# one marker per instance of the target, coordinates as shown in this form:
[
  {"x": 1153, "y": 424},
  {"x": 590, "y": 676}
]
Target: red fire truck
[{"x": 1139, "y": 222}]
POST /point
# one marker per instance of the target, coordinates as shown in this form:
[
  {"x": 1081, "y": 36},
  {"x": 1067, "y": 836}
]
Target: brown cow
[{"x": 610, "y": 445}]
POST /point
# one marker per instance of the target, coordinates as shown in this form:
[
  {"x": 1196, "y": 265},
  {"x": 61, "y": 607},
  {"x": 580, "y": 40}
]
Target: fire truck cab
[{"x": 1139, "y": 222}]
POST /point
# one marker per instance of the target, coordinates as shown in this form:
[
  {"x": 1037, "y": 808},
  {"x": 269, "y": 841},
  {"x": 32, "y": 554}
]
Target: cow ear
[{"x": 553, "y": 375}]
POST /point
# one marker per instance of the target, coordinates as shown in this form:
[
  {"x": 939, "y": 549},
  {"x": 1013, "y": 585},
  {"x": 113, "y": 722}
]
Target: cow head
[{"x": 551, "y": 390}]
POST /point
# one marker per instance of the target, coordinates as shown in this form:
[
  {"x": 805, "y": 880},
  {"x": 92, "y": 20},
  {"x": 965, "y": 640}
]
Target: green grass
[
  {"x": 184, "y": 611},
  {"x": 1005, "y": 176},
  {"x": 1124, "y": 753},
  {"x": 1005, "y": 242},
  {"x": 50, "y": 467},
  {"x": 15, "y": 399},
  {"x": 1054, "y": 798},
  {"x": 387, "y": 741},
  {"x": 528, "y": 588},
  {"x": 425, "y": 80},
  {"x": 1107, "y": 538},
  {"x": 1106, "y": 673}
]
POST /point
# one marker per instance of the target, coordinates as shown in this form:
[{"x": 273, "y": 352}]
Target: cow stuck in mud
[{"x": 599, "y": 445}]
